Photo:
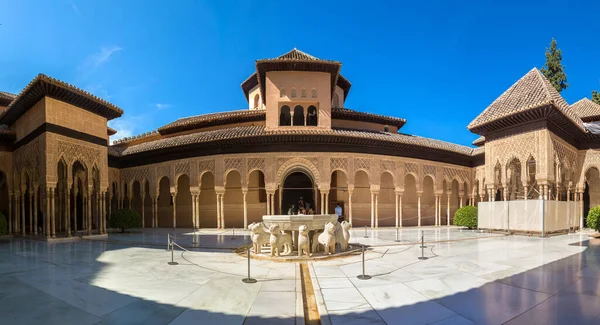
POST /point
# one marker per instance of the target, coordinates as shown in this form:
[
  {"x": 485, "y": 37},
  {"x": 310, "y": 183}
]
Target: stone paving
[{"x": 470, "y": 277}]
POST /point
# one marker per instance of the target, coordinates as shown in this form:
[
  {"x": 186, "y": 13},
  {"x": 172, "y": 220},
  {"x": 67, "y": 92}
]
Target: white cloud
[
  {"x": 125, "y": 126},
  {"x": 163, "y": 106},
  {"x": 95, "y": 60}
]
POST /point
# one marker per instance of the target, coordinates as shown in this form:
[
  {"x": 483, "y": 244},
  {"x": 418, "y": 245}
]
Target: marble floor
[{"x": 469, "y": 278}]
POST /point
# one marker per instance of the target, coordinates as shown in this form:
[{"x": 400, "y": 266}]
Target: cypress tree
[
  {"x": 553, "y": 70},
  {"x": 596, "y": 97}
]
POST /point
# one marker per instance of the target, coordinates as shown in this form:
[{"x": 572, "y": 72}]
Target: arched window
[
  {"x": 314, "y": 93},
  {"x": 293, "y": 92},
  {"x": 336, "y": 100},
  {"x": 282, "y": 92},
  {"x": 298, "y": 115},
  {"x": 285, "y": 117},
  {"x": 311, "y": 118},
  {"x": 256, "y": 101},
  {"x": 303, "y": 93}
]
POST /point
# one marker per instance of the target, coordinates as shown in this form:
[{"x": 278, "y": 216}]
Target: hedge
[
  {"x": 593, "y": 218},
  {"x": 466, "y": 217},
  {"x": 125, "y": 218}
]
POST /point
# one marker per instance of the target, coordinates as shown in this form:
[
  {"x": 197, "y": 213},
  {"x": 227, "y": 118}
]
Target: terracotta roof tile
[
  {"x": 531, "y": 91},
  {"x": 221, "y": 118},
  {"x": 259, "y": 131},
  {"x": 296, "y": 54},
  {"x": 586, "y": 109},
  {"x": 479, "y": 141}
]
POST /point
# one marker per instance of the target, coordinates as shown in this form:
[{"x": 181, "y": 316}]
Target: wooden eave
[
  {"x": 345, "y": 85},
  {"x": 591, "y": 118},
  {"x": 264, "y": 66},
  {"x": 248, "y": 84},
  {"x": 43, "y": 86},
  {"x": 348, "y": 114}
]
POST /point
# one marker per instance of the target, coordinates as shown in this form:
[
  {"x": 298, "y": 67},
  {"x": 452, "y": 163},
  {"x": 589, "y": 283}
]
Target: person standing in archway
[
  {"x": 300, "y": 206},
  {"x": 339, "y": 212}
]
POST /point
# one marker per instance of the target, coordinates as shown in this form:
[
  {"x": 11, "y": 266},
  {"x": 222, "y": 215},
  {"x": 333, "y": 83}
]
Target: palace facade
[{"x": 59, "y": 175}]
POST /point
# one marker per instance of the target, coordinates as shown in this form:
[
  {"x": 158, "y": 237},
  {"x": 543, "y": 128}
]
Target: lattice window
[
  {"x": 362, "y": 163},
  {"x": 339, "y": 163}
]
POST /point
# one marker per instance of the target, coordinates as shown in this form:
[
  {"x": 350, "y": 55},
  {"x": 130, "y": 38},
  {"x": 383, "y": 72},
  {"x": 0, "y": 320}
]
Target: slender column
[
  {"x": 376, "y": 210},
  {"x": 89, "y": 210},
  {"x": 268, "y": 203},
  {"x": 47, "y": 214},
  {"x": 396, "y": 204},
  {"x": 10, "y": 213},
  {"x": 327, "y": 202},
  {"x": 193, "y": 211},
  {"x": 198, "y": 210},
  {"x": 174, "y": 196},
  {"x": 219, "y": 208},
  {"x": 581, "y": 210},
  {"x": 436, "y": 210},
  {"x": 400, "y": 210},
  {"x": 322, "y": 202},
  {"x": 372, "y": 209},
  {"x": 244, "y": 193},
  {"x": 30, "y": 212},
  {"x": 52, "y": 214},
  {"x": 461, "y": 201},
  {"x": 23, "y": 213},
  {"x": 419, "y": 208},
  {"x": 350, "y": 206},
  {"x": 273, "y": 203},
  {"x": 69, "y": 212},
  {"x": 448, "y": 209},
  {"x": 144, "y": 209},
  {"x": 35, "y": 213},
  {"x": 569, "y": 194},
  {"x": 155, "y": 212},
  {"x": 223, "y": 210}
]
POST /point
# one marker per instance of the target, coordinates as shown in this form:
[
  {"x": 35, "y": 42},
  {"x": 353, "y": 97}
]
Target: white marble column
[
  {"x": 448, "y": 209},
  {"x": 10, "y": 214},
  {"x": 376, "y": 210},
  {"x": 581, "y": 225},
  {"x": 174, "y": 196},
  {"x": 244, "y": 194},
  {"x": 23, "y": 212},
  {"x": 372, "y": 209},
  {"x": 419, "y": 208},
  {"x": 396, "y": 204},
  {"x": 400, "y": 210},
  {"x": 30, "y": 193},
  {"x": 89, "y": 215},
  {"x": 198, "y": 210},
  {"x": 223, "y": 210},
  {"x": 143, "y": 209},
  {"x": 436, "y": 210},
  {"x": 35, "y": 213},
  {"x": 219, "y": 209},
  {"x": 154, "y": 212},
  {"x": 350, "y": 206},
  {"x": 461, "y": 201}
]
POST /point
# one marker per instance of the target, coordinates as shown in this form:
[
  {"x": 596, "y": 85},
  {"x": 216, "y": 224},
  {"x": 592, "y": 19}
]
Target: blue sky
[{"x": 435, "y": 63}]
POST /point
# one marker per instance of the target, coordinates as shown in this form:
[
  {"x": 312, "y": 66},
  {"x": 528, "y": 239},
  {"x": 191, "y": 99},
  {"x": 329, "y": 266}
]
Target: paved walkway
[{"x": 491, "y": 280}]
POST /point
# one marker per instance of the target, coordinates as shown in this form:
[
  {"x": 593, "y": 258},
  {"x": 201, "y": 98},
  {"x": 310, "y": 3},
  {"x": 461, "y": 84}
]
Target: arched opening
[
  {"x": 386, "y": 200},
  {"x": 137, "y": 197},
  {"x": 165, "y": 203},
  {"x": 298, "y": 189},
  {"x": 208, "y": 201},
  {"x": 361, "y": 200},
  {"x": 4, "y": 194},
  {"x": 312, "y": 119},
  {"x": 410, "y": 212},
  {"x": 513, "y": 177},
  {"x": 428, "y": 202},
  {"x": 79, "y": 193},
  {"x": 256, "y": 199},
  {"x": 338, "y": 193},
  {"x": 256, "y": 101},
  {"x": 233, "y": 201},
  {"x": 336, "y": 101},
  {"x": 285, "y": 118},
  {"x": 114, "y": 200},
  {"x": 184, "y": 203},
  {"x": 591, "y": 194},
  {"x": 532, "y": 183},
  {"x": 147, "y": 205},
  {"x": 298, "y": 116}
]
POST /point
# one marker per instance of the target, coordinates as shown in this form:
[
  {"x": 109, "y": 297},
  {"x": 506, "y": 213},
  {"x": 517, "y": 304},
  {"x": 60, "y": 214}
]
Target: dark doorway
[
  {"x": 586, "y": 204},
  {"x": 297, "y": 185}
]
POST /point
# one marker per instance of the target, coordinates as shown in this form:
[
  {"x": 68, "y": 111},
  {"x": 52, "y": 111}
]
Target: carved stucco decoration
[{"x": 302, "y": 163}]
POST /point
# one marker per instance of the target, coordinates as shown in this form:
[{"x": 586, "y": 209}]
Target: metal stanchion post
[
  {"x": 172, "y": 261},
  {"x": 194, "y": 239},
  {"x": 363, "y": 276},
  {"x": 233, "y": 233},
  {"x": 366, "y": 236},
  {"x": 397, "y": 239},
  {"x": 422, "y": 257},
  {"x": 249, "y": 279},
  {"x": 422, "y": 241},
  {"x": 168, "y": 242}
]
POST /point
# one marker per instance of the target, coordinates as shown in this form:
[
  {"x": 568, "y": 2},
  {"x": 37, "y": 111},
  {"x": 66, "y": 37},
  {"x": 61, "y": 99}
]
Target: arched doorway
[
  {"x": 591, "y": 194},
  {"x": 297, "y": 185}
]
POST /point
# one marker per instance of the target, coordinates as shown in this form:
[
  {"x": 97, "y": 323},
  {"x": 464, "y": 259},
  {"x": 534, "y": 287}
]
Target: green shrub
[
  {"x": 466, "y": 217},
  {"x": 593, "y": 218},
  {"x": 125, "y": 218},
  {"x": 3, "y": 225}
]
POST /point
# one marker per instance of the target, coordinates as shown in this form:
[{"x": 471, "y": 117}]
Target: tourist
[
  {"x": 291, "y": 210},
  {"x": 338, "y": 211},
  {"x": 300, "y": 204},
  {"x": 311, "y": 211}
]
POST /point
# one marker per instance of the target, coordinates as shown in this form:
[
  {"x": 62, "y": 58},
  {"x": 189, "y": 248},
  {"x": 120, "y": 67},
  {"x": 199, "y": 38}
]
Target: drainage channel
[{"x": 311, "y": 313}]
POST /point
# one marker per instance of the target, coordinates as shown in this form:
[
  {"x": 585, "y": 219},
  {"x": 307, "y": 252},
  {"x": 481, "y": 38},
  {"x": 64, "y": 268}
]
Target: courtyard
[{"x": 470, "y": 277}]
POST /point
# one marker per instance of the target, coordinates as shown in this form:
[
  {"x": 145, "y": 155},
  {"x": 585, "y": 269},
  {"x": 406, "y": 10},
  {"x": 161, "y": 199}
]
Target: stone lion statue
[
  {"x": 279, "y": 239},
  {"x": 303, "y": 241},
  {"x": 260, "y": 237},
  {"x": 346, "y": 226},
  {"x": 327, "y": 238}
]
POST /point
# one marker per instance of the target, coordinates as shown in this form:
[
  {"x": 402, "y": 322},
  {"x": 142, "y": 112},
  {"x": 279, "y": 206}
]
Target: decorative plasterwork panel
[{"x": 339, "y": 163}]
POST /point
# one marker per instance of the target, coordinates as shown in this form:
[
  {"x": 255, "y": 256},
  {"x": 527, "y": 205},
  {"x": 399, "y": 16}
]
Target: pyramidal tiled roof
[
  {"x": 296, "y": 55},
  {"x": 586, "y": 109},
  {"x": 531, "y": 91}
]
